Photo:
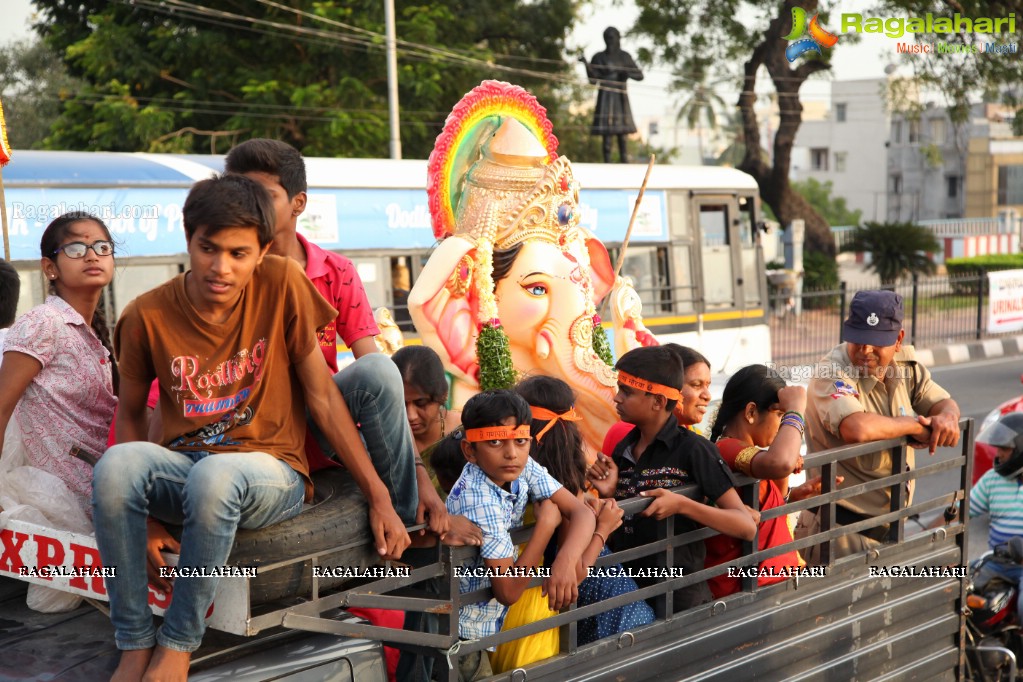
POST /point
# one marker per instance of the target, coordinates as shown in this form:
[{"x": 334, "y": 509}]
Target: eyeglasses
[{"x": 79, "y": 249}]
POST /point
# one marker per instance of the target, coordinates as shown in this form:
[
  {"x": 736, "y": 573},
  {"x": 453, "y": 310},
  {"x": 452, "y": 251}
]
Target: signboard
[
  {"x": 148, "y": 221},
  {"x": 70, "y": 562},
  {"x": 1005, "y": 304}
]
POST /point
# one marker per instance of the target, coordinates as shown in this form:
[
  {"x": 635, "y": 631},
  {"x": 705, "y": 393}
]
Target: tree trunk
[{"x": 773, "y": 178}]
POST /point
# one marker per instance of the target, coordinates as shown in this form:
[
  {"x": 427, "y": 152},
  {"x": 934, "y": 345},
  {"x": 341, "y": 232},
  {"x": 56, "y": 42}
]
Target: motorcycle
[{"x": 994, "y": 641}]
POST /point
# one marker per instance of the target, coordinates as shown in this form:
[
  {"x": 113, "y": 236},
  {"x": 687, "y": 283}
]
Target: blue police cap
[{"x": 875, "y": 318}]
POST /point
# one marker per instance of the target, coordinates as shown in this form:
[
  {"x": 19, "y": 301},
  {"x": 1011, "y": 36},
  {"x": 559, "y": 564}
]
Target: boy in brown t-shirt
[{"x": 232, "y": 343}]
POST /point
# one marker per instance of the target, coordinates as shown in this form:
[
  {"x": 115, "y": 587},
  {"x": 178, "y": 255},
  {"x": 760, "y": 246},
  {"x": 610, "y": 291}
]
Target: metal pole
[
  {"x": 981, "y": 281},
  {"x": 392, "y": 78},
  {"x": 912, "y": 333},
  {"x": 841, "y": 308}
]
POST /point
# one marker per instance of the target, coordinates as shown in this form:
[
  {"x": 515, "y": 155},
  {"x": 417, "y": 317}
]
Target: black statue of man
[{"x": 609, "y": 70}]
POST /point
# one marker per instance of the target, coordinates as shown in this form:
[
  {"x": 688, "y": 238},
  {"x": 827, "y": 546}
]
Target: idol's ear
[
  {"x": 601, "y": 270},
  {"x": 443, "y": 304}
]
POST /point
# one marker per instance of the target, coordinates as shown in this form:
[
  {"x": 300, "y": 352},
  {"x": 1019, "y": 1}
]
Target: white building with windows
[{"x": 847, "y": 147}]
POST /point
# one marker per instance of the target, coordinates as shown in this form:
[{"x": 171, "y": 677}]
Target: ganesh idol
[{"x": 513, "y": 287}]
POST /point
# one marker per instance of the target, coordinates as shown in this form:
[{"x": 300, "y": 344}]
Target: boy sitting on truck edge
[
  {"x": 498, "y": 481},
  {"x": 658, "y": 455},
  {"x": 371, "y": 386},
  {"x": 232, "y": 343}
]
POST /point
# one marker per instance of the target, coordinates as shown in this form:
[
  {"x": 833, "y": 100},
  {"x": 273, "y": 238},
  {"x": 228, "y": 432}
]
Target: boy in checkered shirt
[{"x": 498, "y": 481}]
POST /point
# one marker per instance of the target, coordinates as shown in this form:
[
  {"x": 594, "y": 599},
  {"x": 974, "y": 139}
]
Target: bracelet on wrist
[
  {"x": 600, "y": 535},
  {"x": 793, "y": 413}
]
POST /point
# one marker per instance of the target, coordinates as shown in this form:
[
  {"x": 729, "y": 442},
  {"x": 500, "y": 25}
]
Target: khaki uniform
[{"x": 837, "y": 391}]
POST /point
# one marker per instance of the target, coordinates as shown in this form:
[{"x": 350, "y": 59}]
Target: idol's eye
[{"x": 536, "y": 289}]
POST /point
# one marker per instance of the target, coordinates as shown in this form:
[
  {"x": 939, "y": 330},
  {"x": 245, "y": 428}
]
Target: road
[{"x": 978, "y": 388}]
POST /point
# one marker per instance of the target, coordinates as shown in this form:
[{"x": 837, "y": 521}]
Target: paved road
[{"x": 978, "y": 388}]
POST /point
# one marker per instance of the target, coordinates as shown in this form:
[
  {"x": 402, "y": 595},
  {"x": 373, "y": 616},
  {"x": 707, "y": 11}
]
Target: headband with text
[
  {"x": 552, "y": 418},
  {"x": 648, "y": 386},
  {"x": 496, "y": 433}
]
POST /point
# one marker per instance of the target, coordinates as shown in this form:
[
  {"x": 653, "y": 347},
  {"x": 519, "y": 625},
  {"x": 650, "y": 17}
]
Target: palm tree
[
  {"x": 896, "y": 249},
  {"x": 701, "y": 105}
]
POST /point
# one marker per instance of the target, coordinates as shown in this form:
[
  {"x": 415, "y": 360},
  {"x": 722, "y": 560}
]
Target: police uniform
[{"x": 840, "y": 389}]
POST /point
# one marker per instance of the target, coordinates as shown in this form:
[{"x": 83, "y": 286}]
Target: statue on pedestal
[{"x": 610, "y": 71}]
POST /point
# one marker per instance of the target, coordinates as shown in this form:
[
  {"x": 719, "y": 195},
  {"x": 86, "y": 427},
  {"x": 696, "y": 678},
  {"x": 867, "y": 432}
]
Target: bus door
[{"x": 729, "y": 253}]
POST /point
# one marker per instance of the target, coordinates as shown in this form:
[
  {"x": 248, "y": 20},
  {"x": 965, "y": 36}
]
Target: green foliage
[
  {"x": 200, "y": 77},
  {"x": 832, "y": 208},
  {"x": 896, "y": 249},
  {"x": 820, "y": 272},
  {"x": 494, "y": 353},
  {"x": 33, "y": 81},
  {"x": 966, "y": 273},
  {"x": 601, "y": 346},
  {"x": 959, "y": 81},
  {"x": 958, "y": 267}
]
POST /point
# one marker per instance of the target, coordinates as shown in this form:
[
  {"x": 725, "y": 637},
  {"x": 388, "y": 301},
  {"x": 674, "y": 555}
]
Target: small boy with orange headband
[
  {"x": 497, "y": 483},
  {"x": 659, "y": 455}
]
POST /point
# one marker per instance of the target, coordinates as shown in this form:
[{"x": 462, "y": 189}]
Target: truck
[{"x": 893, "y": 613}]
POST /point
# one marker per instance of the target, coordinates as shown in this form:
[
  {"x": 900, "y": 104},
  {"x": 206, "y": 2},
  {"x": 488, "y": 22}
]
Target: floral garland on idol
[{"x": 491, "y": 216}]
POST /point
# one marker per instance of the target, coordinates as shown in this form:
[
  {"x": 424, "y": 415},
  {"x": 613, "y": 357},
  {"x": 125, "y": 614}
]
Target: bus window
[
  {"x": 717, "y": 256},
  {"x": 647, "y": 266}
]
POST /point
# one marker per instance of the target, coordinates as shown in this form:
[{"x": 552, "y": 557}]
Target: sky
[{"x": 864, "y": 60}]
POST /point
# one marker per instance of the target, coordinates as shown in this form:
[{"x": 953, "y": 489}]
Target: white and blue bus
[{"x": 694, "y": 255}]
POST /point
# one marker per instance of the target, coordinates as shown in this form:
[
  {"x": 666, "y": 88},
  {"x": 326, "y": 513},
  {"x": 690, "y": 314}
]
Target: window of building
[
  {"x": 896, "y": 184},
  {"x": 819, "y": 159},
  {"x": 914, "y": 132},
  {"x": 897, "y": 132},
  {"x": 952, "y": 183},
  {"x": 840, "y": 158},
  {"x": 937, "y": 131},
  {"x": 840, "y": 112},
  {"x": 1010, "y": 185}
]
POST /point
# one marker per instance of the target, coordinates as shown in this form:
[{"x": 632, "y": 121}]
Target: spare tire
[{"x": 337, "y": 517}]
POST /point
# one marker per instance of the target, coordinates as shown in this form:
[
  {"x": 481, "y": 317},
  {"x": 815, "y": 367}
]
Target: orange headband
[
  {"x": 497, "y": 433},
  {"x": 552, "y": 418},
  {"x": 648, "y": 386}
]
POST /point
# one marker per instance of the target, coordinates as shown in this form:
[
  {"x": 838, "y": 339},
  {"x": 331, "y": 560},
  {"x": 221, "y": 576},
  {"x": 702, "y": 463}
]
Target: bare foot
[
  {"x": 167, "y": 665},
  {"x": 132, "y": 665}
]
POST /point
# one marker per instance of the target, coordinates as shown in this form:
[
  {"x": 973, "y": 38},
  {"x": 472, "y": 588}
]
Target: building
[
  {"x": 994, "y": 165},
  {"x": 847, "y": 147},
  {"x": 926, "y": 165}
]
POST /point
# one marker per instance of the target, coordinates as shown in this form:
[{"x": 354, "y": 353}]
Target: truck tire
[{"x": 337, "y": 517}]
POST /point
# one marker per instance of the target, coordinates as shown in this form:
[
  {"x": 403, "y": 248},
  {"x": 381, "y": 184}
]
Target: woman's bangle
[
  {"x": 603, "y": 540},
  {"x": 793, "y": 412}
]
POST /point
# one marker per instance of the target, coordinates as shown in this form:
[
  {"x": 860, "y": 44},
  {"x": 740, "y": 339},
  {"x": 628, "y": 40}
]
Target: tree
[
  {"x": 896, "y": 249},
  {"x": 197, "y": 77},
  {"x": 33, "y": 83},
  {"x": 832, "y": 208},
  {"x": 690, "y": 34},
  {"x": 701, "y": 106}
]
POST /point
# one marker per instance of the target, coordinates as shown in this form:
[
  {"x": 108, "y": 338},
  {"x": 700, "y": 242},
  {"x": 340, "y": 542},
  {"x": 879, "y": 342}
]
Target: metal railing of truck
[{"x": 887, "y": 651}]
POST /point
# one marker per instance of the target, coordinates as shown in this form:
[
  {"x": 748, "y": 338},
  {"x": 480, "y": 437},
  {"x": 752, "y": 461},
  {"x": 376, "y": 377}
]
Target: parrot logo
[{"x": 818, "y": 36}]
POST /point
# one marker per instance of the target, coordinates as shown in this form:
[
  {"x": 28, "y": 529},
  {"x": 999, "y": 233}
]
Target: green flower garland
[
  {"x": 494, "y": 353},
  {"x": 601, "y": 346}
]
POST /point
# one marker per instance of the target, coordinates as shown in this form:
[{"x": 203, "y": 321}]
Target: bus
[{"x": 695, "y": 253}]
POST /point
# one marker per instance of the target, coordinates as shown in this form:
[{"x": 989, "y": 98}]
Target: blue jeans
[
  {"x": 1007, "y": 570},
  {"x": 211, "y": 497},
  {"x": 375, "y": 394}
]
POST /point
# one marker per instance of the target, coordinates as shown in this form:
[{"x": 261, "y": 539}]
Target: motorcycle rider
[{"x": 999, "y": 494}]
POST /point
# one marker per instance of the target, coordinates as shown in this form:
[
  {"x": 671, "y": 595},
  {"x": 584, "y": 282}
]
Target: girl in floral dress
[{"x": 57, "y": 380}]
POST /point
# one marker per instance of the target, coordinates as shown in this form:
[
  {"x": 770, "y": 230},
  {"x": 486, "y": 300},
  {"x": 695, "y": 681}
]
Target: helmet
[{"x": 1007, "y": 432}]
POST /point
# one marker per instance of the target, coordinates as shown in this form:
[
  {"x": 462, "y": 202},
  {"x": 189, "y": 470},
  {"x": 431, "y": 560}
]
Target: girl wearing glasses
[{"x": 58, "y": 380}]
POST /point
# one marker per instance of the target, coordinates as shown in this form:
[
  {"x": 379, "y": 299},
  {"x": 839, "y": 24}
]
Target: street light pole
[{"x": 392, "y": 78}]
